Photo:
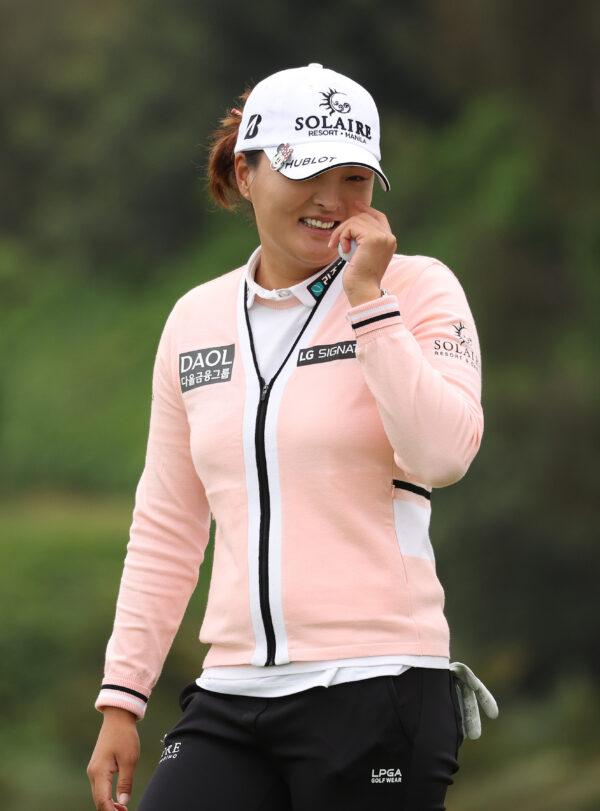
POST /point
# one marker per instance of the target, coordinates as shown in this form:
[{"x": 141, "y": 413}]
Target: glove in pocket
[{"x": 454, "y": 688}]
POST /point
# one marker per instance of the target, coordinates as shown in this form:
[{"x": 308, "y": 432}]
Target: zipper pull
[{"x": 264, "y": 391}]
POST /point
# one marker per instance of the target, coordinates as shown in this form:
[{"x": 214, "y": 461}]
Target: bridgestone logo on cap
[{"x": 253, "y": 123}]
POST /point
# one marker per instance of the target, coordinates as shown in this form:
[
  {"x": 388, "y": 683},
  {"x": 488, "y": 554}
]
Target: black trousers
[{"x": 386, "y": 742}]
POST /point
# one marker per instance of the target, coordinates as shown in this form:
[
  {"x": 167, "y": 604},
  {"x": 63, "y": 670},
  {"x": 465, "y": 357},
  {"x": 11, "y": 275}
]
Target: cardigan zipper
[
  {"x": 265, "y": 519},
  {"x": 263, "y": 481}
]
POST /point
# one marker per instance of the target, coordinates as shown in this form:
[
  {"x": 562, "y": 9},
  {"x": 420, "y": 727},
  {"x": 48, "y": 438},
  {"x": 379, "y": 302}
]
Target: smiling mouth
[{"x": 318, "y": 228}]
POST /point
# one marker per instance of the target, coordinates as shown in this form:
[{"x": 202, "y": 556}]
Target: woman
[{"x": 311, "y": 410}]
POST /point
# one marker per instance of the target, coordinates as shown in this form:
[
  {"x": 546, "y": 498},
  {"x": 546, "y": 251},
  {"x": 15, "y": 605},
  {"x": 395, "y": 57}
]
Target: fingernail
[{"x": 123, "y": 799}]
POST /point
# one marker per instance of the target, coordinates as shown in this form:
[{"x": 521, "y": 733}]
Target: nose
[{"x": 327, "y": 194}]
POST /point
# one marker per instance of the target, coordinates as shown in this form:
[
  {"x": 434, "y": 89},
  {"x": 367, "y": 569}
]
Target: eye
[{"x": 357, "y": 177}]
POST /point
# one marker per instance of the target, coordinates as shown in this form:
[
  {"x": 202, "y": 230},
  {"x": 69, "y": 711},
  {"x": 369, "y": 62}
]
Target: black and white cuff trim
[
  {"x": 371, "y": 315},
  {"x": 125, "y": 690}
]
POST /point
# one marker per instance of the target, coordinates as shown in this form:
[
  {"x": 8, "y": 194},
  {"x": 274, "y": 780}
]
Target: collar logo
[
  {"x": 334, "y": 103},
  {"x": 320, "y": 285}
]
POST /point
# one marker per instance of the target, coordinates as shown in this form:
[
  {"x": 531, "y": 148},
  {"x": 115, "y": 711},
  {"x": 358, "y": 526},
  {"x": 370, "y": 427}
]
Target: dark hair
[{"x": 220, "y": 173}]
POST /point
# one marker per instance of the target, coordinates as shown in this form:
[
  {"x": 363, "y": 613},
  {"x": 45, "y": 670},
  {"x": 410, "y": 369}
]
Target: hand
[
  {"x": 117, "y": 750},
  {"x": 471, "y": 690},
  {"x": 376, "y": 246}
]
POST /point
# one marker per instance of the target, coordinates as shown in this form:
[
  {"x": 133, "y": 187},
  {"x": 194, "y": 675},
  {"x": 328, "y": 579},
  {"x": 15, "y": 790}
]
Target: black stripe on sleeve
[
  {"x": 125, "y": 690},
  {"x": 375, "y": 318},
  {"x": 414, "y": 488}
]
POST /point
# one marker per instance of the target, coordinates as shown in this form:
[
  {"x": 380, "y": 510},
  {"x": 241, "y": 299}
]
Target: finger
[
  {"x": 377, "y": 215},
  {"x": 102, "y": 791},
  {"x": 336, "y": 233},
  {"x": 342, "y": 243},
  {"x": 343, "y": 233},
  {"x": 356, "y": 226},
  {"x": 106, "y": 804},
  {"x": 125, "y": 781},
  {"x": 373, "y": 219}
]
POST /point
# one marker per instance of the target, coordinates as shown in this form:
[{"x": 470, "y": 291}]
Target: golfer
[{"x": 309, "y": 400}]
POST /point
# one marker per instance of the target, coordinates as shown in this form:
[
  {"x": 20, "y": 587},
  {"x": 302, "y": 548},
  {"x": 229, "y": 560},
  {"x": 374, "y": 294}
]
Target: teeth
[{"x": 318, "y": 223}]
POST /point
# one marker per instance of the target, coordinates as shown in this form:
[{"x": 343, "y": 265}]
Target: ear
[{"x": 242, "y": 172}]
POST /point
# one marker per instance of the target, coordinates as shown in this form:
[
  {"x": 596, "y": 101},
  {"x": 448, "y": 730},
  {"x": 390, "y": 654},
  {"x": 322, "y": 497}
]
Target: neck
[{"x": 273, "y": 274}]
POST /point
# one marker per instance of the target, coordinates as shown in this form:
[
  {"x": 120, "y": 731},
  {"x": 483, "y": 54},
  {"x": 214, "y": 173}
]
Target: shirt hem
[{"x": 230, "y": 657}]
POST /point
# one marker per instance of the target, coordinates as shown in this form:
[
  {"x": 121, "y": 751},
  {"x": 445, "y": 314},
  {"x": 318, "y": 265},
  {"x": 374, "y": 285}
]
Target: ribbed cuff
[
  {"x": 125, "y": 694},
  {"x": 375, "y": 316}
]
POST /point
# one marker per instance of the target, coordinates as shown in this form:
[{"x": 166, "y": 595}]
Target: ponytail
[{"x": 220, "y": 174}]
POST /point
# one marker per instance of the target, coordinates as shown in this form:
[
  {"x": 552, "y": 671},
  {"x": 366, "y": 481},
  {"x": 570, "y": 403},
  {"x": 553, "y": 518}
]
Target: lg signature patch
[{"x": 324, "y": 352}]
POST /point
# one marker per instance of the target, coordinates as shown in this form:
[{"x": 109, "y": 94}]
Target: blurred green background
[{"x": 489, "y": 113}]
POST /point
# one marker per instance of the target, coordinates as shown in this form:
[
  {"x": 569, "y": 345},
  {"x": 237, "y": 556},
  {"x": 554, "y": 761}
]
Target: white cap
[{"x": 311, "y": 119}]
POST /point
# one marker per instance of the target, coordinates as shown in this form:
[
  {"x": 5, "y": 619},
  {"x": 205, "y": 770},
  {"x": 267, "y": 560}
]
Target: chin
[{"x": 323, "y": 258}]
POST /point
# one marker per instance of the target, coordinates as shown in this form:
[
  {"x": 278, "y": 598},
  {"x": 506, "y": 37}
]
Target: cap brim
[{"x": 309, "y": 160}]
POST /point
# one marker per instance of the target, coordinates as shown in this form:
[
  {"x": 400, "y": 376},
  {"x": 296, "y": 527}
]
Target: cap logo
[
  {"x": 283, "y": 154},
  {"x": 335, "y": 104},
  {"x": 321, "y": 125},
  {"x": 253, "y": 123}
]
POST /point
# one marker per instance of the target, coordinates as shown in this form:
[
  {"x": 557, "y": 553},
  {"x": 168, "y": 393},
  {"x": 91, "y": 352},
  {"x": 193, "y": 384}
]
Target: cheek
[
  {"x": 361, "y": 191},
  {"x": 279, "y": 207},
  {"x": 280, "y": 225},
  {"x": 272, "y": 218},
  {"x": 285, "y": 214},
  {"x": 282, "y": 204},
  {"x": 282, "y": 219}
]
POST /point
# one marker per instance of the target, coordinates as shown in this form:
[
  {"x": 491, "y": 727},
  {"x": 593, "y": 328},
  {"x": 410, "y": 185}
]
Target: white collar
[{"x": 299, "y": 290}]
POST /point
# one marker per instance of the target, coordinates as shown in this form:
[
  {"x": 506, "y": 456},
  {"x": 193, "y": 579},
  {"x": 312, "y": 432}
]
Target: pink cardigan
[{"x": 319, "y": 480}]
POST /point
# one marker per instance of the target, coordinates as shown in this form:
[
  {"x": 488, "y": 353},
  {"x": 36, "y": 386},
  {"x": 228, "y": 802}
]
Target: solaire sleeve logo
[
  {"x": 200, "y": 367},
  {"x": 458, "y": 344}
]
